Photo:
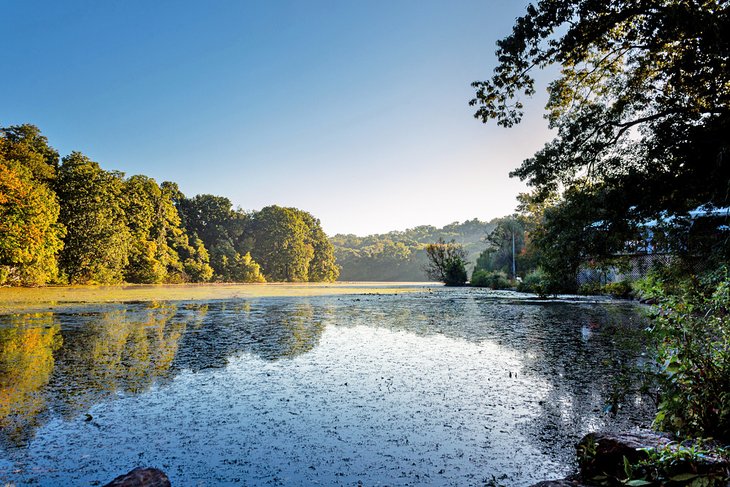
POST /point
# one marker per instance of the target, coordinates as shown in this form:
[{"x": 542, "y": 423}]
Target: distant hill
[{"x": 401, "y": 255}]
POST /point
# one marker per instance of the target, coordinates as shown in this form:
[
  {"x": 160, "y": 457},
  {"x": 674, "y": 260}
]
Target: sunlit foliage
[
  {"x": 27, "y": 344},
  {"x": 30, "y": 235},
  {"x": 77, "y": 223},
  {"x": 97, "y": 238},
  {"x": 401, "y": 255}
]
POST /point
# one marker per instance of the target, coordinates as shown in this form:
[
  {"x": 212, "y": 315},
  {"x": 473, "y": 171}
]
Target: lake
[{"x": 379, "y": 385}]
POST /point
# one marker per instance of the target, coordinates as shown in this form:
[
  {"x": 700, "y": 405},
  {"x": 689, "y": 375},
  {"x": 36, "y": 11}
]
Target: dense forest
[
  {"x": 401, "y": 255},
  {"x": 68, "y": 221}
]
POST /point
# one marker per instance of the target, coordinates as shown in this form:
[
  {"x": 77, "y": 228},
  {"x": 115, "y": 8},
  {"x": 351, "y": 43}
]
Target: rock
[
  {"x": 559, "y": 483},
  {"x": 603, "y": 454},
  {"x": 141, "y": 477}
]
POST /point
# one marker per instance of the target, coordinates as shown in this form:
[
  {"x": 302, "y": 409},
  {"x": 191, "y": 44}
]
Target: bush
[
  {"x": 693, "y": 333},
  {"x": 535, "y": 282},
  {"x": 494, "y": 279},
  {"x": 620, "y": 289},
  {"x": 591, "y": 288}
]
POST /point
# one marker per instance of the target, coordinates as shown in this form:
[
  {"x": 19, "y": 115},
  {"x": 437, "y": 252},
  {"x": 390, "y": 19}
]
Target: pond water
[{"x": 434, "y": 387}]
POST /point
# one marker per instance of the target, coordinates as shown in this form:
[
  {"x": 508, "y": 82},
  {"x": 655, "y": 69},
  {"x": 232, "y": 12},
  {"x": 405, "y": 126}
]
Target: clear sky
[{"x": 354, "y": 111}]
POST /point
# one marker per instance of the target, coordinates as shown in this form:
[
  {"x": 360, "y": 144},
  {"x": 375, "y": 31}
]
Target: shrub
[
  {"x": 591, "y": 288},
  {"x": 535, "y": 282},
  {"x": 693, "y": 333},
  {"x": 621, "y": 289},
  {"x": 494, "y": 279}
]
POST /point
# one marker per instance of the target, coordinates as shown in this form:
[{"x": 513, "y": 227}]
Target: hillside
[{"x": 400, "y": 255}]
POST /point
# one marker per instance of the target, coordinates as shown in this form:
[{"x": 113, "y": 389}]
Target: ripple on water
[{"x": 442, "y": 388}]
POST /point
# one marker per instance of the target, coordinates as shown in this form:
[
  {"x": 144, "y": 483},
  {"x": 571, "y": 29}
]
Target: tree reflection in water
[
  {"x": 27, "y": 344},
  {"x": 126, "y": 349},
  {"x": 60, "y": 365}
]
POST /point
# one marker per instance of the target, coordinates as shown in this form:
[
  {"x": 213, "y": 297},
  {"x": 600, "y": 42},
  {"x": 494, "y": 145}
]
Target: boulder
[
  {"x": 603, "y": 454},
  {"x": 560, "y": 483},
  {"x": 141, "y": 477}
]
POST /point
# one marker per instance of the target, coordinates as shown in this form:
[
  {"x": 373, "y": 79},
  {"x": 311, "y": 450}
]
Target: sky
[{"x": 354, "y": 111}]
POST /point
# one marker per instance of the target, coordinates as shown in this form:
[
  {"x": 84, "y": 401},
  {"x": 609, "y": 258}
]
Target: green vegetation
[
  {"x": 401, "y": 255},
  {"x": 30, "y": 234},
  {"x": 680, "y": 464},
  {"x": 641, "y": 108},
  {"x": 70, "y": 221},
  {"x": 493, "y": 279},
  {"x": 446, "y": 263},
  {"x": 692, "y": 328}
]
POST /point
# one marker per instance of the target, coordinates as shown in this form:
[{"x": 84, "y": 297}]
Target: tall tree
[
  {"x": 506, "y": 248},
  {"x": 641, "y": 107},
  {"x": 26, "y": 145},
  {"x": 281, "y": 243},
  {"x": 30, "y": 235},
  {"x": 322, "y": 267},
  {"x": 191, "y": 251},
  {"x": 446, "y": 263},
  {"x": 97, "y": 239}
]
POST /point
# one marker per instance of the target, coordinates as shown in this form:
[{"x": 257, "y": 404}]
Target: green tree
[
  {"x": 221, "y": 229},
  {"x": 322, "y": 267},
  {"x": 641, "y": 108},
  {"x": 196, "y": 262},
  {"x": 30, "y": 235},
  {"x": 446, "y": 263},
  {"x": 148, "y": 249},
  {"x": 401, "y": 255},
  {"x": 281, "y": 243},
  {"x": 160, "y": 249},
  {"x": 97, "y": 238},
  {"x": 211, "y": 218},
  {"x": 25, "y": 144},
  {"x": 193, "y": 260},
  {"x": 507, "y": 245}
]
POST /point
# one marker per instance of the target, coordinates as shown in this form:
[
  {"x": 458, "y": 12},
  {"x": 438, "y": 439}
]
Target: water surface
[{"x": 437, "y": 386}]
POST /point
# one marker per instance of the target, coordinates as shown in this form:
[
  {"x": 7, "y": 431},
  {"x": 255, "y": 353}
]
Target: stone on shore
[
  {"x": 603, "y": 454},
  {"x": 141, "y": 477}
]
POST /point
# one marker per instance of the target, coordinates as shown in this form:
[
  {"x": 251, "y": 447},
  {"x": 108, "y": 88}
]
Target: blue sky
[{"x": 355, "y": 111}]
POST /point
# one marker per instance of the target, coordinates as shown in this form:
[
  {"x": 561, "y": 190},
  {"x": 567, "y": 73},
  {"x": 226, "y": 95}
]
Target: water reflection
[
  {"x": 123, "y": 350},
  {"x": 547, "y": 369},
  {"x": 27, "y": 344}
]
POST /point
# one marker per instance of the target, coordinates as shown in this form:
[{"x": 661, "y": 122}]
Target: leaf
[
  {"x": 683, "y": 477},
  {"x": 638, "y": 482}
]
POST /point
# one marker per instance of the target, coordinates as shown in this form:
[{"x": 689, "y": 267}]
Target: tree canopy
[
  {"x": 446, "y": 263},
  {"x": 290, "y": 245},
  {"x": 75, "y": 222},
  {"x": 401, "y": 255},
  {"x": 641, "y": 108}
]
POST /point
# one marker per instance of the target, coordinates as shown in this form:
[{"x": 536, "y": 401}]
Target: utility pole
[{"x": 514, "y": 267}]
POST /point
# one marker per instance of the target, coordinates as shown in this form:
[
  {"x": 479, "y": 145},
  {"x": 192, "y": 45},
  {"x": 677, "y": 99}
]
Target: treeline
[
  {"x": 68, "y": 221},
  {"x": 401, "y": 255}
]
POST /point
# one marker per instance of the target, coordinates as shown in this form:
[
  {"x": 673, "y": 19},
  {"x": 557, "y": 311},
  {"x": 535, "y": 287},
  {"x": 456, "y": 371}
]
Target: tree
[
  {"x": 30, "y": 234},
  {"x": 159, "y": 247},
  {"x": 322, "y": 267},
  {"x": 290, "y": 245},
  {"x": 446, "y": 263},
  {"x": 507, "y": 248},
  {"x": 641, "y": 107},
  {"x": 25, "y": 144},
  {"x": 193, "y": 260},
  {"x": 97, "y": 239}
]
